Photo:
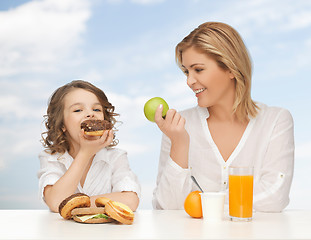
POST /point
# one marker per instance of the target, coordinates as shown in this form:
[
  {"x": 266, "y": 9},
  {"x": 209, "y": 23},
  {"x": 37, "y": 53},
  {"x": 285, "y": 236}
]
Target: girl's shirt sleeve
[
  {"x": 271, "y": 193},
  {"x": 50, "y": 171},
  {"x": 173, "y": 182}
]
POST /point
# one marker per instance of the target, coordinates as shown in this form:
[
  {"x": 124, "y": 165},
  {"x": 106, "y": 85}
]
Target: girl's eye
[
  {"x": 77, "y": 110},
  {"x": 97, "y": 110}
]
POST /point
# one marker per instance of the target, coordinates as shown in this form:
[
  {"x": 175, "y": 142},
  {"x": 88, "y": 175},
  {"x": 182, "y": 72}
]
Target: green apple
[{"x": 152, "y": 105}]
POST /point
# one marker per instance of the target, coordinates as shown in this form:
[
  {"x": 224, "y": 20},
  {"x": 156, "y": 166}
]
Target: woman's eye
[
  {"x": 198, "y": 70},
  {"x": 186, "y": 72}
]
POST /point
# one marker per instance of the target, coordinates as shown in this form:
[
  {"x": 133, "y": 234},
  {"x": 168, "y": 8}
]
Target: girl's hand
[
  {"x": 173, "y": 126},
  {"x": 92, "y": 145}
]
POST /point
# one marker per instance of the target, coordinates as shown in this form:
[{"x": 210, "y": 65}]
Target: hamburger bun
[
  {"x": 77, "y": 200},
  {"x": 90, "y": 215},
  {"x": 101, "y": 201},
  {"x": 120, "y": 212},
  {"x": 95, "y": 127}
]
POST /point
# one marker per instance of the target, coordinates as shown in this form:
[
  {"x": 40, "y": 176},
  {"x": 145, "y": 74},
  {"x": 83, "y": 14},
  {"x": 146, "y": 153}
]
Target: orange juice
[{"x": 241, "y": 196}]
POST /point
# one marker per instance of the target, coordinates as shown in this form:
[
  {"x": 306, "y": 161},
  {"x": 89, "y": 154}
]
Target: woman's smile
[{"x": 198, "y": 91}]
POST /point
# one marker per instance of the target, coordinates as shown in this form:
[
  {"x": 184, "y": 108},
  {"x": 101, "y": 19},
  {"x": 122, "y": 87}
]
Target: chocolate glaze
[
  {"x": 93, "y": 125},
  {"x": 66, "y": 200}
]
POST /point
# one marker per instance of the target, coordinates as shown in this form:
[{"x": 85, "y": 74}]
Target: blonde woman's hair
[
  {"x": 223, "y": 43},
  {"x": 54, "y": 139}
]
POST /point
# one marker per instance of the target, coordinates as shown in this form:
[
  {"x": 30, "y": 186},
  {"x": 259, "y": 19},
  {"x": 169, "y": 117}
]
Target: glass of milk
[{"x": 213, "y": 206}]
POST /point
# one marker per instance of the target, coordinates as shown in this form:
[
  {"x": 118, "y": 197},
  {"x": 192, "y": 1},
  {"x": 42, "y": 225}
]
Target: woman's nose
[{"x": 190, "y": 80}]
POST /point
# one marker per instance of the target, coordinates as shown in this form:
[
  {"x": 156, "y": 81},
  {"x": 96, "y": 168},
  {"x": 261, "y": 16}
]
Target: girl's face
[
  {"x": 79, "y": 105},
  {"x": 211, "y": 84}
]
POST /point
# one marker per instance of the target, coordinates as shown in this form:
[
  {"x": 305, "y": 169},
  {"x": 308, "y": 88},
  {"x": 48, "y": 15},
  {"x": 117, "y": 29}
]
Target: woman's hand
[{"x": 173, "y": 126}]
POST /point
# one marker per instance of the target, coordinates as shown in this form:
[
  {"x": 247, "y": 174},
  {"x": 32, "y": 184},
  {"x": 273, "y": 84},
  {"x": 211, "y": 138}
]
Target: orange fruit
[{"x": 193, "y": 204}]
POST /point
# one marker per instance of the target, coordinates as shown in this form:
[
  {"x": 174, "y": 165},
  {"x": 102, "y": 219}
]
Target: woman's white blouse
[
  {"x": 109, "y": 172},
  {"x": 267, "y": 145}
]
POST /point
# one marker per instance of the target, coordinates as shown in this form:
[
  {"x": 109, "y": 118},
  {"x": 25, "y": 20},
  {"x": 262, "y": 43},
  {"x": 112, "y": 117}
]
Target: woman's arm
[
  {"x": 173, "y": 181},
  {"x": 173, "y": 126},
  {"x": 271, "y": 192}
]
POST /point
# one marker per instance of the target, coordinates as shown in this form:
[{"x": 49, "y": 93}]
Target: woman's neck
[{"x": 222, "y": 113}]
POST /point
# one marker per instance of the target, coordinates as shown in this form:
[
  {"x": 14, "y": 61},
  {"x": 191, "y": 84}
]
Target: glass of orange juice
[{"x": 241, "y": 193}]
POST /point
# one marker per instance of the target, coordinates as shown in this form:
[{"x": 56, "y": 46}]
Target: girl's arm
[
  {"x": 68, "y": 183},
  {"x": 128, "y": 198}
]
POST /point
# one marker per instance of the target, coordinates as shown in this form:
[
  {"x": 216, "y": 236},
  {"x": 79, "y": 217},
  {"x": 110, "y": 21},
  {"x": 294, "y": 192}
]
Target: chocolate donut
[
  {"x": 77, "y": 200},
  {"x": 96, "y": 127}
]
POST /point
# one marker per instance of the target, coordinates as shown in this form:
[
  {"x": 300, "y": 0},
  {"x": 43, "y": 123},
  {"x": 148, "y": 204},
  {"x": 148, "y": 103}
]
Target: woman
[{"x": 226, "y": 128}]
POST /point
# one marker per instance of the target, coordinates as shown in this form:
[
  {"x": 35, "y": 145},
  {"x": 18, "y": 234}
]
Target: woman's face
[
  {"x": 79, "y": 105},
  {"x": 211, "y": 84}
]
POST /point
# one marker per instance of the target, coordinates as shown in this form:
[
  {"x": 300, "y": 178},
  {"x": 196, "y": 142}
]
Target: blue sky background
[{"x": 126, "y": 47}]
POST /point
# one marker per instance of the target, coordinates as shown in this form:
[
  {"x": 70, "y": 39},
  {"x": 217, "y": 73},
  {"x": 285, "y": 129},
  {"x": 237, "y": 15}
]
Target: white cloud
[
  {"x": 140, "y": 2},
  {"x": 136, "y": 59},
  {"x": 23, "y": 100},
  {"x": 37, "y": 34},
  {"x": 147, "y": 2},
  {"x": 20, "y": 144},
  {"x": 303, "y": 150},
  {"x": 253, "y": 18}
]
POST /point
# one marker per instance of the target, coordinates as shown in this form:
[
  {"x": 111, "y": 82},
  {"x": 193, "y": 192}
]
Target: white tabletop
[{"x": 152, "y": 224}]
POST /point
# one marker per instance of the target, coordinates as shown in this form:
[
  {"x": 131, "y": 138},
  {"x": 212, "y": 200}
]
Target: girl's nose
[{"x": 90, "y": 115}]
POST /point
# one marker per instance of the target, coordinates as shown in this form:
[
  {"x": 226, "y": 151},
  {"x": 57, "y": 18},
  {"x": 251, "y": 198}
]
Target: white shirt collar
[{"x": 203, "y": 112}]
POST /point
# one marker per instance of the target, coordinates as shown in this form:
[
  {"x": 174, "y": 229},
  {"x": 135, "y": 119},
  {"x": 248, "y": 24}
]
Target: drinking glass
[{"x": 241, "y": 193}]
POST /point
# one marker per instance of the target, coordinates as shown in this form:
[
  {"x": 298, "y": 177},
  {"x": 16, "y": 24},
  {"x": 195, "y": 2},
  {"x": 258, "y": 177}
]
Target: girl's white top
[
  {"x": 109, "y": 172},
  {"x": 267, "y": 145}
]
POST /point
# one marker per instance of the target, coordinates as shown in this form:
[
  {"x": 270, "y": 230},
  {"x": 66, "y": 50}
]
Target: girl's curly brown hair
[{"x": 54, "y": 139}]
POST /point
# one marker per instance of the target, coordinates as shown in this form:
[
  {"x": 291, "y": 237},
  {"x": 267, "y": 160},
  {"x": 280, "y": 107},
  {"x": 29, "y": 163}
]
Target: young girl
[
  {"x": 226, "y": 128},
  {"x": 74, "y": 162}
]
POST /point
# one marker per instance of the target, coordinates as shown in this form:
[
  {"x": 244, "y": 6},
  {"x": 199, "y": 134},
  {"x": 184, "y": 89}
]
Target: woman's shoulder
[{"x": 273, "y": 112}]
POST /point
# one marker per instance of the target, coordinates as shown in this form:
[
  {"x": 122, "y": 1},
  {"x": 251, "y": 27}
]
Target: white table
[{"x": 152, "y": 224}]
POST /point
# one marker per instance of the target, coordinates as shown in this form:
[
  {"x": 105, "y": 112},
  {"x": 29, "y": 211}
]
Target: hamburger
[
  {"x": 77, "y": 207},
  {"x": 116, "y": 210},
  {"x": 95, "y": 127},
  {"x": 90, "y": 215}
]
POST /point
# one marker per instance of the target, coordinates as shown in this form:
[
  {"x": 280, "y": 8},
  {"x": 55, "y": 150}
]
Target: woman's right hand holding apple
[{"x": 173, "y": 126}]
